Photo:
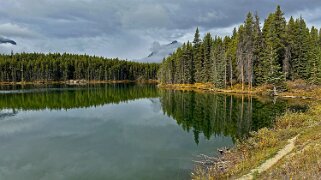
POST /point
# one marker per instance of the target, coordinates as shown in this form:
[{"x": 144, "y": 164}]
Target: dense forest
[
  {"x": 29, "y": 67},
  {"x": 251, "y": 56}
]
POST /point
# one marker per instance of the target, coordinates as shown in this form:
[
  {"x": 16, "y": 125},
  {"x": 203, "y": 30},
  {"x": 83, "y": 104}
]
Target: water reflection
[
  {"x": 218, "y": 114},
  {"x": 200, "y": 113},
  {"x": 120, "y": 131},
  {"x": 69, "y": 97}
]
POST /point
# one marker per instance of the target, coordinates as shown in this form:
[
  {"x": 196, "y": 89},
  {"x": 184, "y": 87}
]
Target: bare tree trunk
[{"x": 286, "y": 62}]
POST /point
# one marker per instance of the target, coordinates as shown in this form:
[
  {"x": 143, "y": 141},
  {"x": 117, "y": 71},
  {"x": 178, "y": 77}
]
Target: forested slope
[
  {"x": 29, "y": 67},
  {"x": 251, "y": 56}
]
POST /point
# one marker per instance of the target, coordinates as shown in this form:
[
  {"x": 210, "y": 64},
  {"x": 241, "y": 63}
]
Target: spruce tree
[
  {"x": 240, "y": 57},
  {"x": 289, "y": 46},
  {"x": 198, "y": 58},
  {"x": 257, "y": 45},
  {"x": 300, "y": 50},
  {"x": 314, "y": 64},
  {"x": 219, "y": 63},
  {"x": 249, "y": 48},
  {"x": 207, "y": 67}
]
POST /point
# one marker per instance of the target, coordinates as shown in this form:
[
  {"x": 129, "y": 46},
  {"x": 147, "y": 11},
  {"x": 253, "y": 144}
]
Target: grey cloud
[
  {"x": 5, "y": 41},
  {"x": 9, "y": 29},
  {"x": 126, "y": 28}
]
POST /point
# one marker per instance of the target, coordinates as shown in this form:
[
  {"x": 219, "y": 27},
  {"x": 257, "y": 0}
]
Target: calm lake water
[{"x": 120, "y": 131}]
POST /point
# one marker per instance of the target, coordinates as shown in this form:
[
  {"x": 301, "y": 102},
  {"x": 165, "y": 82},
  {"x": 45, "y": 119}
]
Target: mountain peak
[
  {"x": 159, "y": 52},
  {"x": 174, "y": 42}
]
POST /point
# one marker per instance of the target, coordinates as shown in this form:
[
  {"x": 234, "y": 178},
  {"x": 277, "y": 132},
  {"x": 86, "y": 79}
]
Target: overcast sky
[{"x": 127, "y": 28}]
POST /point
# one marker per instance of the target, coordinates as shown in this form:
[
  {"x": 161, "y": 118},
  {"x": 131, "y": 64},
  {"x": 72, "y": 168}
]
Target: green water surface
[{"x": 119, "y": 131}]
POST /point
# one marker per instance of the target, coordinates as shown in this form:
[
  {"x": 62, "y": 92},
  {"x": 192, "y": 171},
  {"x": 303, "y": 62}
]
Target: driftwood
[
  {"x": 275, "y": 92},
  {"x": 214, "y": 163},
  {"x": 302, "y": 97}
]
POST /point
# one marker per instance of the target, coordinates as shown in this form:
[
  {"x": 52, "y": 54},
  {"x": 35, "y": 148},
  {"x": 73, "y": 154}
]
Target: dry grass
[
  {"x": 305, "y": 161},
  {"x": 209, "y": 87},
  {"x": 303, "y": 89},
  {"x": 295, "y": 89}
]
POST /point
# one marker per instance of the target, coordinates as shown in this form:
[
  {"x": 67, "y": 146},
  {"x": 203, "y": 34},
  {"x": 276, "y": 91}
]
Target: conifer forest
[
  {"x": 30, "y": 67},
  {"x": 255, "y": 54}
]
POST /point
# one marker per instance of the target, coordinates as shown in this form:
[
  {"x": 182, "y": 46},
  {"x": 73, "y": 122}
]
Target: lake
[{"x": 120, "y": 131}]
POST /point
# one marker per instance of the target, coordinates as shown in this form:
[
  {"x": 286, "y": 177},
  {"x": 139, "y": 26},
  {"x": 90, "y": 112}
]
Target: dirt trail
[{"x": 270, "y": 162}]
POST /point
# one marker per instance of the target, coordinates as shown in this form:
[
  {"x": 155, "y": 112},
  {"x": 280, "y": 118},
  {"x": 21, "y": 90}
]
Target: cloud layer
[{"x": 127, "y": 28}]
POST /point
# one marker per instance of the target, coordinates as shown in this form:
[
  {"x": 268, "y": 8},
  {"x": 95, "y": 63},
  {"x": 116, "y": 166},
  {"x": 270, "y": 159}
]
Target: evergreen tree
[
  {"x": 300, "y": 50},
  {"x": 198, "y": 57},
  {"x": 219, "y": 63},
  {"x": 248, "y": 48},
  {"x": 207, "y": 67},
  {"x": 273, "y": 53},
  {"x": 240, "y": 55},
  {"x": 289, "y": 47},
  {"x": 314, "y": 65},
  {"x": 257, "y": 45},
  {"x": 188, "y": 65},
  {"x": 278, "y": 52}
]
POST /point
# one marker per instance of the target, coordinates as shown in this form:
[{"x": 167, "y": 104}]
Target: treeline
[
  {"x": 28, "y": 67},
  {"x": 251, "y": 56},
  {"x": 217, "y": 114},
  {"x": 56, "y": 97}
]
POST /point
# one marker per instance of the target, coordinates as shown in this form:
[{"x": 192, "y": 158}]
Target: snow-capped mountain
[{"x": 159, "y": 52}]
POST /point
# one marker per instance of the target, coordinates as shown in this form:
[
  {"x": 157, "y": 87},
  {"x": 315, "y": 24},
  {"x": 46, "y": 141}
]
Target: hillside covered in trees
[
  {"x": 251, "y": 56},
  {"x": 26, "y": 67}
]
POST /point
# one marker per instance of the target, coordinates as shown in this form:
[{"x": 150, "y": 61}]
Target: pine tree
[
  {"x": 219, "y": 63},
  {"x": 240, "y": 57},
  {"x": 273, "y": 53},
  {"x": 300, "y": 50},
  {"x": 290, "y": 43},
  {"x": 278, "y": 26},
  {"x": 197, "y": 38},
  {"x": 257, "y": 45},
  {"x": 188, "y": 64},
  {"x": 314, "y": 65},
  {"x": 198, "y": 58},
  {"x": 231, "y": 52},
  {"x": 207, "y": 68},
  {"x": 249, "y": 48}
]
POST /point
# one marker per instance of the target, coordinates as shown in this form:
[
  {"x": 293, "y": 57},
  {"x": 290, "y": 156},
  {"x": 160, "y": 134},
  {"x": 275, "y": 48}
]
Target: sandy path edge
[{"x": 270, "y": 162}]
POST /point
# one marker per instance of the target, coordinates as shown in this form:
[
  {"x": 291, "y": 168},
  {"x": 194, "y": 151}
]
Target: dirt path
[{"x": 270, "y": 162}]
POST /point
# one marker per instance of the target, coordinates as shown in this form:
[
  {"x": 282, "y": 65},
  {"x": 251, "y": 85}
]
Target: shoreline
[
  {"x": 77, "y": 82},
  {"x": 265, "y": 90},
  {"x": 266, "y": 154},
  {"x": 246, "y": 159}
]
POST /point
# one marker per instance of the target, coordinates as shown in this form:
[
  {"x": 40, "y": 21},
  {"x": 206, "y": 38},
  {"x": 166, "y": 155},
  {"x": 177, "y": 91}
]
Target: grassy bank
[
  {"x": 293, "y": 89},
  {"x": 303, "y": 161}
]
